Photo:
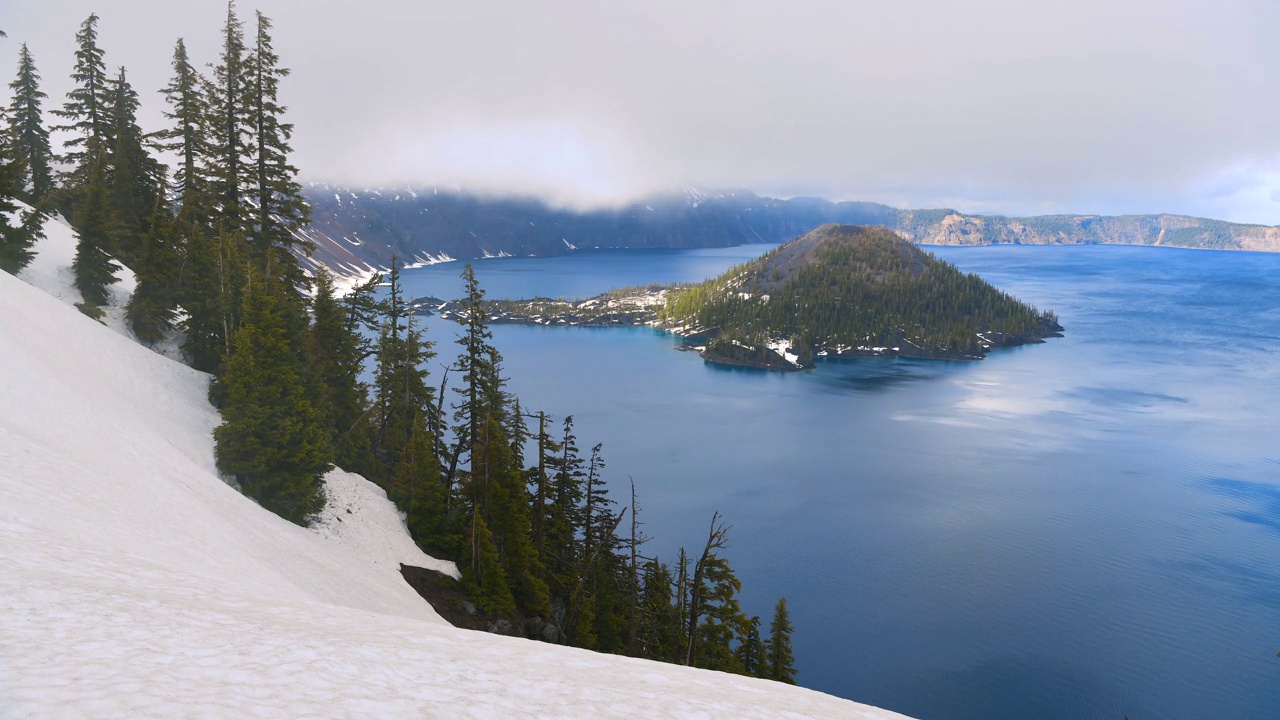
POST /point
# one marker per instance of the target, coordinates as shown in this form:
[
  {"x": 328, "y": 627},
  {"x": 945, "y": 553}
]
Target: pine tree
[
  {"x": 150, "y": 311},
  {"x": 27, "y": 133},
  {"x": 135, "y": 179},
  {"x": 750, "y": 653},
  {"x": 93, "y": 266},
  {"x": 212, "y": 270},
  {"x": 483, "y": 574},
  {"x": 280, "y": 209},
  {"x": 336, "y": 362},
  {"x": 228, "y": 150},
  {"x": 188, "y": 111},
  {"x": 405, "y": 461},
  {"x": 18, "y": 232},
  {"x": 779, "y": 662},
  {"x": 473, "y": 363},
  {"x": 86, "y": 113},
  {"x": 271, "y": 439},
  {"x": 498, "y": 491},
  {"x": 721, "y": 619},
  {"x": 561, "y": 518}
]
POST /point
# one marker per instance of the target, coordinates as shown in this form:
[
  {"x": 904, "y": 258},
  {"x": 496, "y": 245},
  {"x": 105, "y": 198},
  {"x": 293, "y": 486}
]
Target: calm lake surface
[{"x": 1088, "y": 528}]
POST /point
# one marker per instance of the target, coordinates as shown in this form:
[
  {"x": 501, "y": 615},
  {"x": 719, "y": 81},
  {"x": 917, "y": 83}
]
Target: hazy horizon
[{"x": 993, "y": 107}]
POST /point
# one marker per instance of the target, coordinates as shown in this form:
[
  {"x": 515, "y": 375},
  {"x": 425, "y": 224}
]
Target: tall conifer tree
[
  {"x": 188, "y": 112},
  {"x": 280, "y": 209},
  {"x": 27, "y": 133},
  {"x": 228, "y": 124},
  {"x": 18, "y": 232},
  {"x": 779, "y": 662},
  {"x": 151, "y": 311},
  {"x": 135, "y": 182},
  {"x": 336, "y": 361},
  {"x": 271, "y": 438},
  {"x": 86, "y": 111},
  {"x": 93, "y": 266}
]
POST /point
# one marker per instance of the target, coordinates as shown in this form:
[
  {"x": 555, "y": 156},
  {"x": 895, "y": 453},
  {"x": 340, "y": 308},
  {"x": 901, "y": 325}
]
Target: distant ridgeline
[
  {"x": 849, "y": 291},
  {"x": 356, "y": 229},
  {"x": 837, "y": 291}
]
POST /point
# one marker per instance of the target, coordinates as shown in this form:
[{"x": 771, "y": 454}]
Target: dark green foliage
[
  {"x": 483, "y": 574},
  {"x": 207, "y": 289},
  {"x": 779, "y": 663},
  {"x": 660, "y": 624},
  {"x": 474, "y": 364},
  {"x": 18, "y": 238},
  {"x": 853, "y": 287},
  {"x": 750, "y": 654},
  {"x": 334, "y": 349},
  {"x": 17, "y": 241},
  {"x": 404, "y": 459},
  {"x": 135, "y": 181},
  {"x": 188, "y": 111},
  {"x": 228, "y": 123},
  {"x": 27, "y": 133},
  {"x": 93, "y": 266},
  {"x": 280, "y": 209},
  {"x": 271, "y": 440},
  {"x": 151, "y": 309},
  {"x": 497, "y": 490},
  {"x": 85, "y": 112},
  {"x": 721, "y": 621}
]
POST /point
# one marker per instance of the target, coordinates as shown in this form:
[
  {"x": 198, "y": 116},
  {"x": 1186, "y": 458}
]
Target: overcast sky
[{"x": 1008, "y": 106}]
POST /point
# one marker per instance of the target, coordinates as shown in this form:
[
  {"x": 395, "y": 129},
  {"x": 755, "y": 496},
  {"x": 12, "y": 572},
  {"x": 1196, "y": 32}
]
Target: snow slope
[{"x": 134, "y": 583}]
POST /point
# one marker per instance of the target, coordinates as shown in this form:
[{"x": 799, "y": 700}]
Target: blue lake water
[{"x": 1087, "y": 528}]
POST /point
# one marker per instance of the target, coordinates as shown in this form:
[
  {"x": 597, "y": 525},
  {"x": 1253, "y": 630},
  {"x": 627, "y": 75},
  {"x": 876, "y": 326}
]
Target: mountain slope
[
  {"x": 356, "y": 230},
  {"x": 134, "y": 583},
  {"x": 849, "y": 291}
]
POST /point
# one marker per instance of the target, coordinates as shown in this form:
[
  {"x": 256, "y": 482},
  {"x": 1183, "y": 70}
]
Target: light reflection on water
[{"x": 1088, "y": 528}]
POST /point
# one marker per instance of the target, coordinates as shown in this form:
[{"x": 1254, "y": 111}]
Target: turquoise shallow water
[{"x": 1088, "y": 528}]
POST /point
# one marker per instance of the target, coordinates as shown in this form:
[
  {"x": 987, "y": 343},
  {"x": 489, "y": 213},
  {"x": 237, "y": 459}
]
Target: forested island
[{"x": 837, "y": 291}]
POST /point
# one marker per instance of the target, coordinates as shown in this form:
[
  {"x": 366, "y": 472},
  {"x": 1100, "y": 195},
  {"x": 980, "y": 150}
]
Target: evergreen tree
[
  {"x": 336, "y": 362},
  {"x": 151, "y": 312},
  {"x": 18, "y": 232},
  {"x": 779, "y": 662},
  {"x": 85, "y": 112},
  {"x": 271, "y": 439},
  {"x": 27, "y": 133},
  {"x": 188, "y": 111},
  {"x": 212, "y": 269},
  {"x": 135, "y": 183},
  {"x": 280, "y": 209},
  {"x": 499, "y": 493},
  {"x": 658, "y": 631},
  {"x": 750, "y": 654},
  {"x": 561, "y": 518},
  {"x": 93, "y": 266},
  {"x": 228, "y": 125},
  {"x": 484, "y": 576},
  {"x": 404, "y": 448},
  {"x": 473, "y": 363},
  {"x": 721, "y": 620}
]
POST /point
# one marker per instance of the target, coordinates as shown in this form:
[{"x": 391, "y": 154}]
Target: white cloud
[{"x": 995, "y": 105}]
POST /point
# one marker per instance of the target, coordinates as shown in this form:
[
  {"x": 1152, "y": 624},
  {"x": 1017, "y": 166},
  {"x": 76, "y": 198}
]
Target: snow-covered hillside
[{"x": 134, "y": 583}]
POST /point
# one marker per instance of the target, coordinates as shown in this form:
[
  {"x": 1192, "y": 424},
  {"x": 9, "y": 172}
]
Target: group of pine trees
[{"x": 216, "y": 252}]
